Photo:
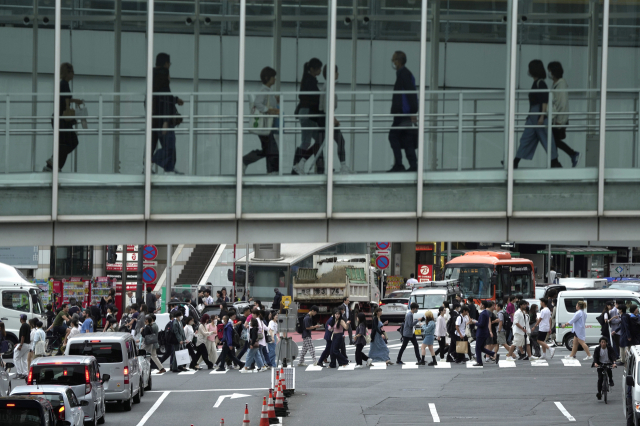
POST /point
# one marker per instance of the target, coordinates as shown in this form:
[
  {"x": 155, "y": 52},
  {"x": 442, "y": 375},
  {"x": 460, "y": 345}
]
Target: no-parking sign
[
  {"x": 382, "y": 262},
  {"x": 149, "y": 275},
  {"x": 149, "y": 252}
]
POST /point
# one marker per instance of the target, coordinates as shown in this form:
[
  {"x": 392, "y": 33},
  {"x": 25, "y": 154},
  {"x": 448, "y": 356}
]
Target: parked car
[
  {"x": 62, "y": 398},
  {"x": 80, "y": 373},
  {"x": 5, "y": 379},
  {"x": 631, "y": 386},
  {"x": 118, "y": 357},
  {"x": 626, "y": 285},
  {"x": 30, "y": 410},
  {"x": 394, "y": 306}
]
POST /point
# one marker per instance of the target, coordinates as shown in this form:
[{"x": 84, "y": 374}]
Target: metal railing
[{"x": 457, "y": 113}]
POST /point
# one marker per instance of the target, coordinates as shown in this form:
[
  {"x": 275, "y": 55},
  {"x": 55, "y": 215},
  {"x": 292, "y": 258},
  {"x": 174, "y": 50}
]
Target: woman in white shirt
[
  {"x": 560, "y": 105},
  {"x": 441, "y": 332},
  {"x": 273, "y": 332},
  {"x": 265, "y": 104},
  {"x": 195, "y": 347}
]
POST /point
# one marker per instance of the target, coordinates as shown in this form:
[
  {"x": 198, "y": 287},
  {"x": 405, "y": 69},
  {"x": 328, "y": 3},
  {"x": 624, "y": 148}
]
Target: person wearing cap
[{"x": 22, "y": 349}]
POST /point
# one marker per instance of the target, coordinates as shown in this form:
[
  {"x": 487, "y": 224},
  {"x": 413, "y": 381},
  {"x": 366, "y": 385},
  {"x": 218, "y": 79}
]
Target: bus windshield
[{"x": 475, "y": 281}]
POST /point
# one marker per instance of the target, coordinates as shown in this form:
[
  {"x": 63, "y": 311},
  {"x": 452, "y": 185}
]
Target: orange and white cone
[
  {"x": 246, "y": 421},
  {"x": 270, "y": 406},
  {"x": 284, "y": 381},
  {"x": 279, "y": 398},
  {"x": 264, "y": 417}
]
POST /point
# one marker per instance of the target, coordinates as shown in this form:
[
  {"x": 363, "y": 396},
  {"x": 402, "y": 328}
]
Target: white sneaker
[
  {"x": 369, "y": 362},
  {"x": 588, "y": 358},
  {"x": 551, "y": 352},
  {"x": 534, "y": 358},
  {"x": 510, "y": 358},
  {"x": 357, "y": 367},
  {"x": 245, "y": 370},
  {"x": 302, "y": 364},
  {"x": 569, "y": 357},
  {"x": 344, "y": 169},
  {"x": 299, "y": 168}
]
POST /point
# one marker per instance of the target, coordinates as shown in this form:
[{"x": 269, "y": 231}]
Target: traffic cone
[
  {"x": 246, "y": 421},
  {"x": 281, "y": 409},
  {"x": 264, "y": 417},
  {"x": 271, "y": 409},
  {"x": 284, "y": 384},
  {"x": 221, "y": 422}
]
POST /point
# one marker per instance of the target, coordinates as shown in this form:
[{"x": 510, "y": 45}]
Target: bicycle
[{"x": 605, "y": 381}]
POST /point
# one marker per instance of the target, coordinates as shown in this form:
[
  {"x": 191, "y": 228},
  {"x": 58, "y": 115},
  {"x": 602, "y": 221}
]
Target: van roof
[
  {"x": 64, "y": 359},
  {"x": 103, "y": 337},
  {"x": 434, "y": 290},
  {"x": 598, "y": 292}
]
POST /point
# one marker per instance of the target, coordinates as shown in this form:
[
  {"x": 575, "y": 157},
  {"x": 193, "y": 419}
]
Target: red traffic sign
[
  {"x": 383, "y": 246},
  {"x": 382, "y": 262},
  {"x": 149, "y": 252},
  {"x": 149, "y": 275}
]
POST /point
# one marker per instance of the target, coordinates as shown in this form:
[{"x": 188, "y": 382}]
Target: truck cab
[{"x": 18, "y": 297}]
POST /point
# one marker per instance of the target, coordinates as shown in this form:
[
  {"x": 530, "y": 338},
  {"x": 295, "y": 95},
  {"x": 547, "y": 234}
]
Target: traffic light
[{"x": 111, "y": 254}]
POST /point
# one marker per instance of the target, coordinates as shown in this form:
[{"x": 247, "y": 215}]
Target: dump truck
[{"x": 332, "y": 278}]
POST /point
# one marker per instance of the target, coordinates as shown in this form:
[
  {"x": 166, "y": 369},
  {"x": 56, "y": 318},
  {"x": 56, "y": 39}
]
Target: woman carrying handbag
[
  {"x": 150, "y": 338},
  {"x": 361, "y": 340}
]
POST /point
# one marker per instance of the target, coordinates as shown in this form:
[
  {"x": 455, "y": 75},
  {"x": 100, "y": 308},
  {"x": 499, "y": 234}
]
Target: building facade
[{"x": 214, "y": 174}]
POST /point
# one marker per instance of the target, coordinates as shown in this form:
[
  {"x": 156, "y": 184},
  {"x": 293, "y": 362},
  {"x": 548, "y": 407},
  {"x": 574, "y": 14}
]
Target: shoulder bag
[{"x": 261, "y": 126}]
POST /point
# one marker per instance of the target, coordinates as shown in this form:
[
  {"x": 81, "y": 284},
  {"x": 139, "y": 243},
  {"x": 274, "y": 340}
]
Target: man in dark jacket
[
  {"x": 403, "y": 103},
  {"x": 277, "y": 299},
  {"x": 604, "y": 355},
  {"x": 483, "y": 333},
  {"x": 178, "y": 334},
  {"x": 327, "y": 337}
]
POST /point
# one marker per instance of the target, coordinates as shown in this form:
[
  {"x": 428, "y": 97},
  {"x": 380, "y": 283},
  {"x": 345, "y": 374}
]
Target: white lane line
[
  {"x": 154, "y": 408},
  {"x": 565, "y": 412},
  {"x": 434, "y": 413},
  {"x": 212, "y": 390}
]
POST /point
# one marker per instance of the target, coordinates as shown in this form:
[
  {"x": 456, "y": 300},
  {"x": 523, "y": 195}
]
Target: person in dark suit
[
  {"x": 604, "y": 355},
  {"x": 328, "y": 330},
  {"x": 483, "y": 333}
]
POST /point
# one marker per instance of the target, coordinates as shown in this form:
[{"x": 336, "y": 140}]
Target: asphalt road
[{"x": 526, "y": 394}]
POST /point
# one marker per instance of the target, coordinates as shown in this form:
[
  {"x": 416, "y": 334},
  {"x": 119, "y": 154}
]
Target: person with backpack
[
  {"x": 254, "y": 348},
  {"x": 501, "y": 330},
  {"x": 227, "y": 343},
  {"x": 167, "y": 339},
  {"x": 452, "y": 356},
  {"x": 150, "y": 340},
  {"x": 408, "y": 334},
  {"x": 460, "y": 334}
]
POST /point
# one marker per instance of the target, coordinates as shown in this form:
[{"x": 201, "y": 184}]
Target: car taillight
[
  {"x": 406, "y": 303},
  {"x": 30, "y": 377},
  {"x": 61, "y": 413},
  {"x": 126, "y": 375},
  {"x": 87, "y": 380},
  {"x": 382, "y": 304}
]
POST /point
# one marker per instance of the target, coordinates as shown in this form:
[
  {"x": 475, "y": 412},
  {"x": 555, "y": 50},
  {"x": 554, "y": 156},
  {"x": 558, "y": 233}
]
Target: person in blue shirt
[
  {"x": 483, "y": 333},
  {"x": 87, "y": 324}
]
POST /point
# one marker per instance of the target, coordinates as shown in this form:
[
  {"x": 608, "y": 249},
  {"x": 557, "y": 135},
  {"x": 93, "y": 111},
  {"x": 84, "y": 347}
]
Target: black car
[{"x": 28, "y": 411}]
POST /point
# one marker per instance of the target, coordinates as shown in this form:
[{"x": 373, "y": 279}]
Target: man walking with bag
[
  {"x": 178, "y": 335},
  {"x": 407, "y": 334}
]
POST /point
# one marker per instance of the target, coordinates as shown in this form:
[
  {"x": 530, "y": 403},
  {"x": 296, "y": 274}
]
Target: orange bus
[{"x": 491, "y": 275}]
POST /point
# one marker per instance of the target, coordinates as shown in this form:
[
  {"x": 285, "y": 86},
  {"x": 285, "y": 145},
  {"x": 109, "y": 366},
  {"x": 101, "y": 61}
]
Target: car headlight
[{"x": 636, "y": 404}]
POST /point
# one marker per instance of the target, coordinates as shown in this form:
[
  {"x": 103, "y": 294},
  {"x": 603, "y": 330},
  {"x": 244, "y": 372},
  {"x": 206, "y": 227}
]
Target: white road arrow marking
[{"x": 232, "y": 396}]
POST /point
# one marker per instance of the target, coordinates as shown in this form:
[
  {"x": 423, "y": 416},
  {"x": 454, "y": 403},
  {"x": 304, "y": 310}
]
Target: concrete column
[
  {"x": 434, "y": 63},
  {"x": 117, "y": 56},
  {"x": 34, "y": 82},
  {"x": 168, "y": 281}
]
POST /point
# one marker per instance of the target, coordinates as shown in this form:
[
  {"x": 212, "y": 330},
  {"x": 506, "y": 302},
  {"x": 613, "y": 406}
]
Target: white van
[
  {"x": 117, "y": 355},
  {"x": 18, "y": 296},
  {"x": 631, "y": 386},
  {"x": 583, "y": 282},
  {"x": 596, "y": 302},
  {"x": 430, "y": 296}
]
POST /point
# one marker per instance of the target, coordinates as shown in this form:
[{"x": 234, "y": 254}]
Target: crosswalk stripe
[
  {"x": 187, "y": 372},
  {"x": 314, "y": 368},
  {"x": 378, "y": 366},
  {"x": 348, "y": 367},
  {"x": 571, "y": 362},
  {"x": 218, "y": 372},
  {"x": 539, "y": 363},
  {"x": 409, "y": 366},
  {"x": 470, "y": 365},
  {"x": 506, "y": 364},
  {"x": 443, "y": 364}
]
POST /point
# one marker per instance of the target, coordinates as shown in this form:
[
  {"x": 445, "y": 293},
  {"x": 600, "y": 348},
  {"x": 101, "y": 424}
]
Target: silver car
[
  {"x": 395, "y": 305},
  {"x": 5, "y": 379},
  {"x": 62, "y": 399},
  {"x": 82, "y": 374}
]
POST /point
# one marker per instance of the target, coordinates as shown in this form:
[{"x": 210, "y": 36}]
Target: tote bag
[
  {"x": 461, "y": 347},
  {"x": 260, "y": 126},
  {"x": 182, "y": 357}
]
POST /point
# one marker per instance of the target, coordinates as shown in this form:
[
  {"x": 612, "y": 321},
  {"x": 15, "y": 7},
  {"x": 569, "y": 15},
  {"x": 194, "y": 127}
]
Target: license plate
[{"x": 397, "y": 308}]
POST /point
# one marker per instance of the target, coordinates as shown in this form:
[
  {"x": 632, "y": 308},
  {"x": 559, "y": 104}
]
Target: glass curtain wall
[
  {"x": 284, "y": 154},
  {"x": 194, "y": 161},
  {"x": 558, "y": 76},
  {"x": 106, "y": 45},
  {"x": 26, "y": 108},
  {"x": 622, "y": 151},
  {"x": 465, "y": 137}
]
